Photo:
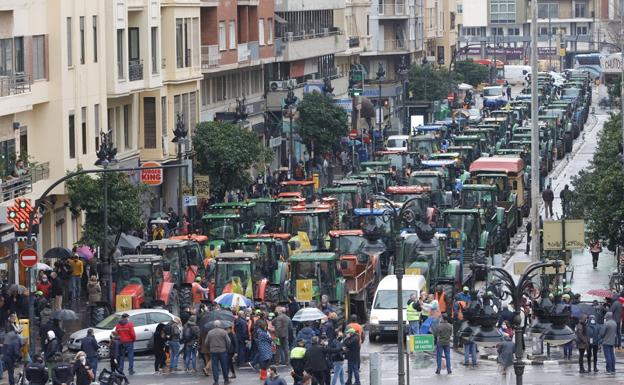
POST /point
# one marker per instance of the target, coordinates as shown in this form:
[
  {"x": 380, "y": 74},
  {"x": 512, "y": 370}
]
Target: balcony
[
  {"x": 210, "y": 56},
  {"x": 15, "y": 84},
  {"x": 301, "y": 47},
  {"x": 17, "y": 187},
  {"x": 394, "y": 45},
  {"x": 391, "y": 10},
  {"x": 135, "y": 70}
]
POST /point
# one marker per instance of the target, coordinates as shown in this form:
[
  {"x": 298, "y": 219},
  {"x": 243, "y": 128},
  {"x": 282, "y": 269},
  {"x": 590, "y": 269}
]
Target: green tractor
[
  {"x": 309, "y": 226},
  {"x": 253, "y": 274},
  {"x": 314, "y": 274},
  {"x": 221, "y": 228},
  {"x": 468, "y": 238},
  {"x": 347, "y": 199}
]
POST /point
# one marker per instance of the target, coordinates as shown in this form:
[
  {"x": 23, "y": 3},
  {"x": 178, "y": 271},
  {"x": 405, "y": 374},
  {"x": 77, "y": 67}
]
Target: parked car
[{"x": 144, "y": 320}]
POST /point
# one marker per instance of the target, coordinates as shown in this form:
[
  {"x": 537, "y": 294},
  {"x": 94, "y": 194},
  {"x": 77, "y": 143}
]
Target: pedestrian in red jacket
[{"x": 127, "y": 336}]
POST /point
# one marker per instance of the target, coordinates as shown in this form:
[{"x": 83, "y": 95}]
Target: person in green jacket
[{"x": 443, "y": 332}]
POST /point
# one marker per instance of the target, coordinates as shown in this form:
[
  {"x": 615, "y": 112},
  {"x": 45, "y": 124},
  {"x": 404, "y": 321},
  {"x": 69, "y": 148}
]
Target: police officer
[{"x": 36, "y": 372}]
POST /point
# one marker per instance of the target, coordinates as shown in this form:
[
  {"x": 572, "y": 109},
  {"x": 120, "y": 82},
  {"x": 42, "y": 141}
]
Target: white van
[
  {"x": 383, "y": 315},
  {"x": 397, "y": 143},
  {"x": 515, "y": 74}
]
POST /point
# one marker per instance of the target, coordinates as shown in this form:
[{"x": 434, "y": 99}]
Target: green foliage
[
  {"x": 321, "y": 121},
  {"x": 472, "y": 73},
  {"x": 614, "y": 89},
  {"x": 430, "y": 83},
  {"x": 225, "y": 152},
  {"x": 598, "y": 195},
  {"x": 126, "y": 201}
]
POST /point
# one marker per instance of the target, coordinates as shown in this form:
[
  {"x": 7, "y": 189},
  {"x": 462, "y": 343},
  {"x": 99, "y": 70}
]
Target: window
[
  {"x": 69, "y": 42},
  {"x": 156, "y": 318},
  {"x": 95, "y": 38},
  {"x": 581, "y": 30},
  {"x": 233, "y": 35},
  {"x": 135, "y": 67},
  {"x": 548, "y": 10},
  {"x": 38, "y": 57},
  {"x": 187, "y": 44},
  {"x": 126, "y": 127},
  {"x": 179, "y": 43},
  {"x": 83, "y": 129},
  {"x": 270, "y": 25},
  {"x": 120, "y": 50},
  {"x": 580, "y": 10},
  {"x": 72, "y": 137},
  {"x": 513, "y": 31},
  {"x": 82, "y": 40},
  {"x": 96, "y": 125},
  {"x": 149, "y": 122},
  {"x": 261, "y": 31},
  {"x": 502, "y": 11},
  {"x": 452, "y": 20},
  {"x": 543, "y": 31},
  {"x": 139, "y": 319},
  {"x": 222, "y": 44},
  {"x": 163, "y": 123},
  {"x": 6, "y": 57},
  {"x": 154, "y": 42},
  {"x": 497, "y": 31},
  {"x": 19, "y": 54}
]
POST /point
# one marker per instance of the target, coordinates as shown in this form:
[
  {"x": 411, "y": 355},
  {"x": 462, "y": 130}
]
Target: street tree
[
  {"x": 598, "y": 195},
  {"x": 321, "y": 122},
  {"x": 126, "y": 200},
  {"x": 430, "y": 83},
  {"x": 226, "y": 152},
  {"x": 472, "y": 73}
]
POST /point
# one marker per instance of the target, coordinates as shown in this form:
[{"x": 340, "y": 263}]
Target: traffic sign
[
  {"x": 353, "y": 134},
  {"x": 152, "y": 177},
  {"x": 304, "y": 290},
  {"x": 423, "y": 343},
  {"x": 28, "y": 257},
  {"x": 190, "y": 200}
]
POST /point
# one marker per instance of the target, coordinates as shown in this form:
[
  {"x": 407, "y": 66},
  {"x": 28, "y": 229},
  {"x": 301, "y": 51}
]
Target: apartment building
[{"x": 502, "y": 28}]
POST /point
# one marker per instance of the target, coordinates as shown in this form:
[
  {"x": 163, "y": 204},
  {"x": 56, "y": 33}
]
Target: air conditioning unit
[{"x": 276, "y": 85}]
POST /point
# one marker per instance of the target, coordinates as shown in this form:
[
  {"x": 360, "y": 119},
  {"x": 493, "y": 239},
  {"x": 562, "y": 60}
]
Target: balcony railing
[
  {"x": 15, "y": 84},
  {"x": 397, "y": 8},
  {"x": 135, "y": 70},
  {"x": 354, "y": 41},
  {"x": 394, "y": 45},
  {"x": 16, "y": 187},
  {"x": 210, "y": 56}
]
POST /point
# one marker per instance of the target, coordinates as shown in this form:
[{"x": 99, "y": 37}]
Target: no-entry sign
[
  {"x": 28, "y": 257},
  {"x": 152, "y": 177}
]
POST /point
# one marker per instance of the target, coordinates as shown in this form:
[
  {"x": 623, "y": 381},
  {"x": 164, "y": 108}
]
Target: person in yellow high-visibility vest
[{"x": 413, "y": 311}]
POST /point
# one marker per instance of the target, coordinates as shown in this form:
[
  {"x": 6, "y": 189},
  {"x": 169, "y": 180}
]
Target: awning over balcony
[{"x": 303, "y": 67}]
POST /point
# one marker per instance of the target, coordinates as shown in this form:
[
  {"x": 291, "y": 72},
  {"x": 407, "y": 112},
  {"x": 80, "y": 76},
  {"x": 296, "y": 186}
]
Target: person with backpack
[
  {"x": 190, "y": 334},
  {"x": 114, "y": 347},
  {"x": 174, "y": 333}
]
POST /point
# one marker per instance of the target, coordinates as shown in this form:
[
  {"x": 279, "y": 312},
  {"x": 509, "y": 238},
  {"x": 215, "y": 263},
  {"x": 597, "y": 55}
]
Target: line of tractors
[{"x": 468, "y": 187}]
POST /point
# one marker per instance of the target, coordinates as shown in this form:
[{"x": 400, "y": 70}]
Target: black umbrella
[
  {"x": 64, "y": 315},
  {"x": 215, "y": 315},
  {"x": 58, "y": 252}
]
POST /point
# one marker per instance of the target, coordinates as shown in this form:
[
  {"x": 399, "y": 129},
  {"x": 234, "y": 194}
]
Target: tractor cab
[
  {"x": 267, "y": 211},
  {"x": 139, "y": 281},
  {"x": 347, "y": 198},
  {"x": 308, "y": 226},
  {"x": 398, "y": 159},
  {"x": 297, "y": 188},
  {"x": 466, "y": 153},
  {"x": 378, "y": 165},
  {"x": 221, "y": 228},
  {"x": 315, "y": 274},
  {"x": 447, "y": 167},
  {"x": 508, "y": 174},
  {"x": 273, "y": 246},
  {"x": 182, "y": 259},
  {"x": 436, "y": 182},
  {"x": 424, "y": 145},
  {"x": 475, "y": 142},
  {"x": 247, "y": 212}
]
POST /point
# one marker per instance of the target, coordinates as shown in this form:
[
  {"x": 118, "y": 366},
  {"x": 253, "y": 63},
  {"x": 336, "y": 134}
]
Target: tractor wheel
[
  {"x": 173, "y": 305},
  {"x": 340, "y": 315},
  {"x": 185, "y": 296},
  {"x": 272, "y": 294}
]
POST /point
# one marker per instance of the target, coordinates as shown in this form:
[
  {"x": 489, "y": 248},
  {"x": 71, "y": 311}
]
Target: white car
[{"x": 144, "y": 320}]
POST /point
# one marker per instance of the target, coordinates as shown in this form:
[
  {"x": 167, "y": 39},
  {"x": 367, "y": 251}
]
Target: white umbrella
[
  {"x": 43, "y": 266},
  {"x": 464, "y": 86},
  {"x": 159, "y": 220},
  {"x": 308, "y": 314}
]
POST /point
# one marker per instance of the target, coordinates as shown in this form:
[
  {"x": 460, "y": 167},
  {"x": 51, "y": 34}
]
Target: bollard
[{"x": 375, "y": 369}]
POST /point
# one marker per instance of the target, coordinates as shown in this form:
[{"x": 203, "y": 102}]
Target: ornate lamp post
[
  {"x": 179, "y": 135},
  {"x": 106, "y": 155},
  {"x": 403, "y": 72},
  {"x": 396, "y": 214},
  {"x": 379, "y": 76},
  {"x": 289, "y": 103}
]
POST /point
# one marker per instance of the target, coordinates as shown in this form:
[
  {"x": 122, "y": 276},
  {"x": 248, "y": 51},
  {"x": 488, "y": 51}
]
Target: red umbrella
[{"x": 606, "y": 293}]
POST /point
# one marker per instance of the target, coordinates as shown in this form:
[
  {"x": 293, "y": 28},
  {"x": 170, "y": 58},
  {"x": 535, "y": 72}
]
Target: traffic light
[
  {"x": 356, "y": 82},
  {"x": 18, "y": 215}
]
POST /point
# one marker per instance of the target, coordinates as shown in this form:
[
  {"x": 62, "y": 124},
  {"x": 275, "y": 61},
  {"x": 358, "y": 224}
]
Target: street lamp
[
  {"x": 403, "y": 72},
  {"x": 179, "y": 135},
  {"x": 106, "y": 155},
  {"x": 381, "y": 73},
  {"x": 557, "y": 333},
  {"x": 404, "y": 213},
  {"x": 289, "y": 103}
]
